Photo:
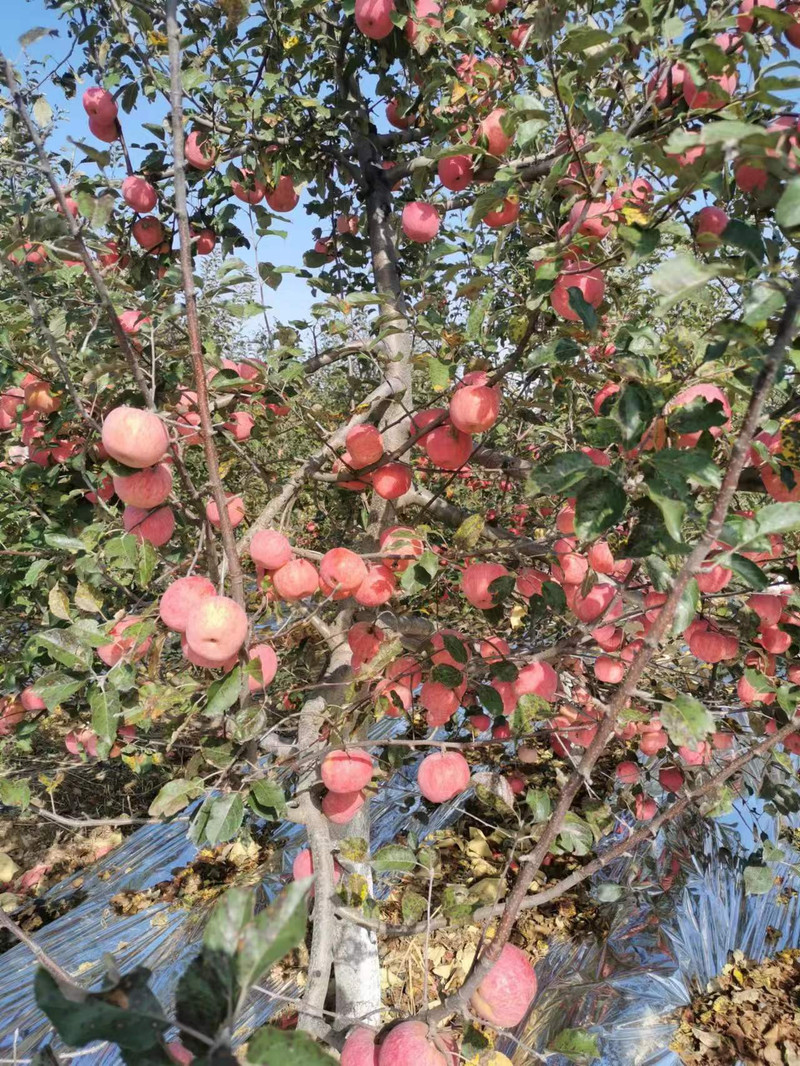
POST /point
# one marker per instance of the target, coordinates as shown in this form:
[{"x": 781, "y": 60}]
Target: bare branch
[{"x": 190, "y": 296}]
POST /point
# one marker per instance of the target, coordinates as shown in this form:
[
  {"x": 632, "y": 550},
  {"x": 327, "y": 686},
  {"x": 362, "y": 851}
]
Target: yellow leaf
[
  {"x": 478, "y": 846},
  {"x": 518, "y": 613},
  {"x": 458, "y": 92},
  {"x": 635, "y": 215},
  {"x": 469, "y": 532},
  {"x": 156, "y": 40}
]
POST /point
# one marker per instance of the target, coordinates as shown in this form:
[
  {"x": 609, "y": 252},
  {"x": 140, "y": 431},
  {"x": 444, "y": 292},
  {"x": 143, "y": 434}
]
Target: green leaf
[
  {"x": 607, "y": 892},
  {"x": 540, "y": 805},
  {"x": 672, "y": 511},
  {"x": 55, "y": 688},
  {"x": 634, "y": 410},
  {"x": 275, "y": 932},
  {"x": 420, "y": 574},
  {"x": 687, "y": 721},
  {"x": 679, "y": 465},
  {"x": 58, "y": 602},
  {"x": 193, "y": 77},
  {"x": 394, "y": 858},
  {"x": 697, "y": 415},
  {"x": 247, "y": 723},
  {"x": 778, "y": 518},
  {"x": 747, "y": 570},
  {"x": 217, "y": 820},
  {"x": 438, "y": 373},
  {"x": 224, "y": 693},
  {"x": 500, "y": 589},
  {"x": 576, "y": 1044},
  {"x": 147, "y": 560},
  {"x": 447, "y": 675},
  {"x": 137, "y": 1026},
  {"x": 688, "y": 606},
  {"x": 63, "y": 646},
  {"x": 477, "y": 315},
  {"x": 205, "y": 997},
  {"x": 455, "y": 648},
  {"x": 762, "y": 302},
  {"x": 680, "y": 277},
  {"x": 64, "y": 543},
  {"x": 504, "y": 670},
  {"x": 42, "y": 111},
  {"x": 267, "y": 799},
  {"x": 413, "y": 906},
  {"x": 104, "y": 704},
  {"x": 772, "y": 853},
  {"x": 231, "y": 913},
  {"x": 576, "y": 836},
  {"x": 758, "y": 880},
  {"x": 287, "y": 1047},
  {"x": 787, "y": 210},
  {"x": 599, "y": 504},
  {"x": 15, "y": 793},
  {"x": 490, "y": 699},
  {"x": 584, "y": 310},
  {"x": 747, "y": 238},
  {"x": 33, "y": 35},
  {"x": 566, "y": 471},
  {"x": 174, "y": 796},
  {"x": 757, "y": 680}
]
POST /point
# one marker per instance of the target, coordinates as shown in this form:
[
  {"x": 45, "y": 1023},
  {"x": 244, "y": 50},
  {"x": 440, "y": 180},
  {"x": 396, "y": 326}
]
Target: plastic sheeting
[
  {"x": 622, "y": 989},
  {"x": 661, "y": 947}
]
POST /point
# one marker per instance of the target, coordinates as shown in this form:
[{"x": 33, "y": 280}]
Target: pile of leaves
[{"x": 750, "y": 1013}]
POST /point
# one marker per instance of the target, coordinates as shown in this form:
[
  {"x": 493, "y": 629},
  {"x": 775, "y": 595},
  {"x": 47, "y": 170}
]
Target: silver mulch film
[{"x": 622, "y": 989}]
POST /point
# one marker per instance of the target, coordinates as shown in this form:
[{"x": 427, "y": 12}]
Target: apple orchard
[{"x": 509, "y": 518}]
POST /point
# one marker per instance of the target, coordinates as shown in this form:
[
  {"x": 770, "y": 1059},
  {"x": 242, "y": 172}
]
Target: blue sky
[{"x": 293, "y": 298}]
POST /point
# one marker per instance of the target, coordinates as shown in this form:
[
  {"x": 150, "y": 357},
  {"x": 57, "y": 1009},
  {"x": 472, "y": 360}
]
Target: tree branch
[{"x": 190, "y": 296}]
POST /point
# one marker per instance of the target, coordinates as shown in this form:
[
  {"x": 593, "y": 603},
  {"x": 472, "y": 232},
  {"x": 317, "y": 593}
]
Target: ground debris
[
  {"x": 750, "y": 1013},
  {"x": 208, "y": 875}
]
